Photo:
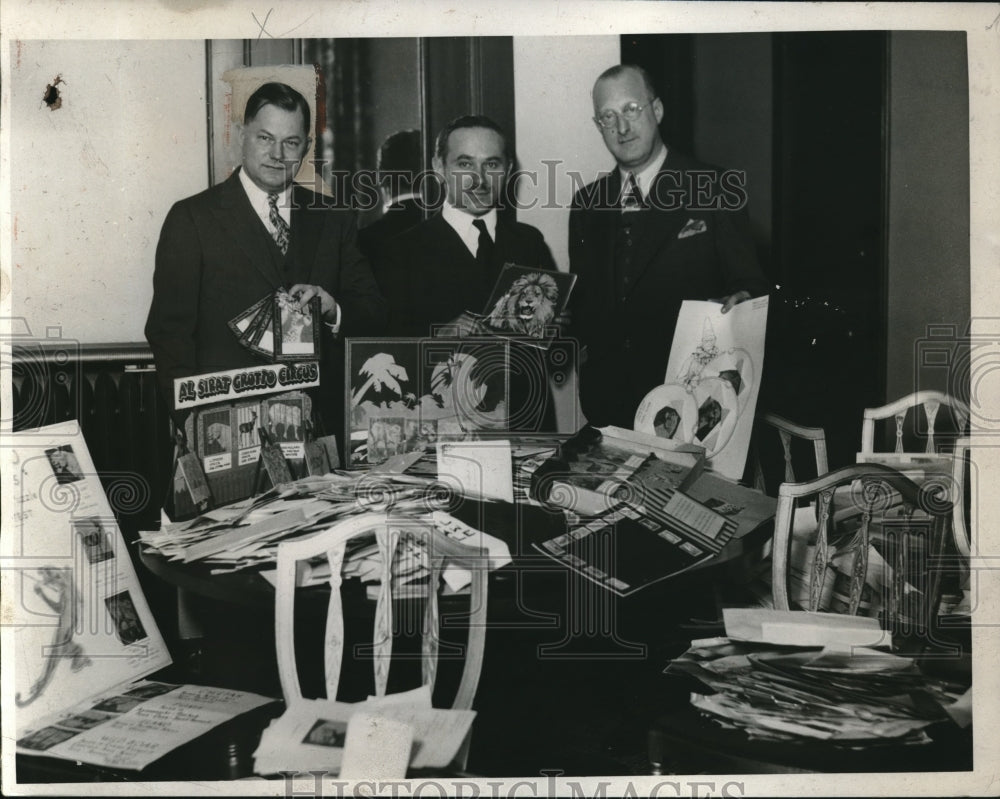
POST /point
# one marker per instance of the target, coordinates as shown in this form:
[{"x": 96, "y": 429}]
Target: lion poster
[{"x": 528, "y": 302}]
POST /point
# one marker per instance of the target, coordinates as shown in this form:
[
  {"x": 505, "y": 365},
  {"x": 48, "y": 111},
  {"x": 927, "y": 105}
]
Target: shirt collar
[
  {"x": 462, "y": 222},
  {"x": 645, "y": 177},
  {"x": 258, "y": 197}
]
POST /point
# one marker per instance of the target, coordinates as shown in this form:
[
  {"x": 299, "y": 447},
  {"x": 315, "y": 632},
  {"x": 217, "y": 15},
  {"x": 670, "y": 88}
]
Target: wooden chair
[
  {"x": 881, "y": 503},
  {"x": 788, "y": 430},
  {"x": 862, "y": 505},
  {"x": 930, "y": 402},
  {"x": 960, "y": 525},
  {"x": 331, "y": 544}
]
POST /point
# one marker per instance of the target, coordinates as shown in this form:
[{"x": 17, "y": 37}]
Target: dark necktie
[
  {"x": 485, "y": 247},
  {"x": 280, "y": 233},
  {"x": 631, "y": 197}
]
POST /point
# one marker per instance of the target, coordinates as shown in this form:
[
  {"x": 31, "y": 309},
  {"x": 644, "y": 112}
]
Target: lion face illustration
[{"x": 528, "y": 306}]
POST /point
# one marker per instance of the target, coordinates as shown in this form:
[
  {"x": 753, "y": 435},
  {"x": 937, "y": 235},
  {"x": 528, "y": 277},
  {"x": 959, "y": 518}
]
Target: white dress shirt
[
  {"x": 461, "y": 222},
  {"x": 258, "y": 199},
  {"x": 644, "y": 179}
]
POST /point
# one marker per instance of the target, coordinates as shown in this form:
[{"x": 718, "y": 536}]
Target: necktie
[
  {"x": 485, "y": 242},
  {"x": 631, "y": 197},
  {"x": 280, "y": 233}
]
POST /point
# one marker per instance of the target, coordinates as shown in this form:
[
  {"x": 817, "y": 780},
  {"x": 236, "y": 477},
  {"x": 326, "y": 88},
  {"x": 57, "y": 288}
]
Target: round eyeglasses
[{"x": 630, "y": 112}]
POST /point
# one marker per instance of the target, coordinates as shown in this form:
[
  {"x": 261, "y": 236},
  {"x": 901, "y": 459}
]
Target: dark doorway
[{"x": 822, "y": 238}]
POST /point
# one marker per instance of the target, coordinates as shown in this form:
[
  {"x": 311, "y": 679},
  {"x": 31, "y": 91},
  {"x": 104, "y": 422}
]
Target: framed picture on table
[{"x": 406, "y": 394}]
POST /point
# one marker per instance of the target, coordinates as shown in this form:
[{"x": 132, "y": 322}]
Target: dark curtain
[{"x": 347, "y": 143}]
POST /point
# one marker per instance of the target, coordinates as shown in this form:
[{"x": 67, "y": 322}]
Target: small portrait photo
[
  {"x": 46, "y": 738},
  {"x": 296, "y": 331},
  {"x": 95, "y": 541},
  {"x": 421, "y": 435},
  {"x": 285, "y": 419},
  {"x": 326, "y": 733},
  {"x": 709, "y": 416},
  {"x": 217, "y": 431},
  {"x": 86, "y": 720},
  {"x": 718, "y": 413},
  {"x": 394, "y": 441},
  {"x": 64, "y": 464},
  {"x": 151, "y": 689},
  {"x": 128, "y": 626},
  {"x": 118, "y": 704},
  {"x": 723, "y": 507},
  {"x": 669, "y": 412},
  {"x": 666, "y": 421},
  {"x": 378, "y": 445},
  {"x": 527, "y": 301}
]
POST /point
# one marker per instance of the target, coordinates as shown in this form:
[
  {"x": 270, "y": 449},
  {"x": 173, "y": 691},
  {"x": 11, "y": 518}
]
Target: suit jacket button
[{"x": 628, "y": 343}]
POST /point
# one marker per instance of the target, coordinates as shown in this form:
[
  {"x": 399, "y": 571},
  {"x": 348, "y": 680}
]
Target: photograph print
[
  {"x": 128, "y": 625},
  {"x": 327, "y": 733},
  {"x": 527, "y": 302},
  {"x": 216, "y": 431},
  {"x": 405, "y": 394},
  {"x": 64, "y": 464},
  {"x": 296, "y": 335},
  {"x": 94, "y": 540}
]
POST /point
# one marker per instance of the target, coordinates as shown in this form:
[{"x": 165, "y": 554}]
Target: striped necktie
[
  {"x": 280, "y": 226},
  {"x": 631, "y": 197}
]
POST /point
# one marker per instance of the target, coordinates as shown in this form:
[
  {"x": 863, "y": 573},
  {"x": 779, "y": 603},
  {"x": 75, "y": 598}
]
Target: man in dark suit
[
  {"x": 233, "y": 244},
  {"x": 399, "y": 162},
  {"x": 432, "y": 274},
  {"x": 658, "y": 230}
]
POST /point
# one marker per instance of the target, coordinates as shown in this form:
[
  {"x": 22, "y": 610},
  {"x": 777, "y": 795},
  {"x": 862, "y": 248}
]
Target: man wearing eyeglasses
[{"x": 660, "y": 229}]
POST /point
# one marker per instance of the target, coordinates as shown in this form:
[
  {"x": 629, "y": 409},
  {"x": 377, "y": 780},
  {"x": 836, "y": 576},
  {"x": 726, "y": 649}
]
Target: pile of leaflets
[
  {"x": 843, "y": 692},
  {"x": 246, "y": 534}
]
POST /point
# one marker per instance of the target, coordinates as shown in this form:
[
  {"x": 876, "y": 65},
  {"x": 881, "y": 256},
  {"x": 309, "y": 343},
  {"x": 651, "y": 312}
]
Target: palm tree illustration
[
  {"x": 457, "y": 384},
  {"x": 443, "y": 378},
  {"x": 383, "y": 374}
]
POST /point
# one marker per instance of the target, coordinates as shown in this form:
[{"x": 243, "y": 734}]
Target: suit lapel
[
  {"x": 605, "y": 221},
  {"x": 238, "y": 219},
  {"x": 656, "y": 229},
  {"x": 307, "y": 227}
]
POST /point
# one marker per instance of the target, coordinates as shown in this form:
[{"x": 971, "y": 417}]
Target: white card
[
  {"x": 376, "y": 747},
  {"x": 477, "y": 468}
]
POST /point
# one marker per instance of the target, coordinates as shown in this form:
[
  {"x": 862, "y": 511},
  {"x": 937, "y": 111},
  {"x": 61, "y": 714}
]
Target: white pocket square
[{"x": 692, "y": 228}]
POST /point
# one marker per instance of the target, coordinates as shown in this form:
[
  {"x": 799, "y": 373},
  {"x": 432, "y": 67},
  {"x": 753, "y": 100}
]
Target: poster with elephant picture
[
  {"x": 406, "y": 394},
  {"x": 528, "y": 302},
  {"x": 226, "y": 438}
]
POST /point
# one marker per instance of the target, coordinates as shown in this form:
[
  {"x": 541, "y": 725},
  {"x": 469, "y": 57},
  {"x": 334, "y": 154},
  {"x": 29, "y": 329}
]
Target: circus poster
[{"x": 710, "y": 389}]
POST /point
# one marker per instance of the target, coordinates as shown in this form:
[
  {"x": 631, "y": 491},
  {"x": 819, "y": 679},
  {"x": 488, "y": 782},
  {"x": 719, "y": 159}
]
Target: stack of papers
[
  {"x": 246, "y": 534},
  {"x": 842, "y": 692},
  {"x": 313, "y": 734}
]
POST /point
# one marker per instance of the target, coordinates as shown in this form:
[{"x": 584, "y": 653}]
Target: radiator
[{"x": 111, "y": 390}]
